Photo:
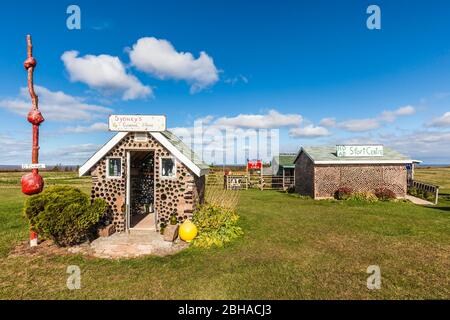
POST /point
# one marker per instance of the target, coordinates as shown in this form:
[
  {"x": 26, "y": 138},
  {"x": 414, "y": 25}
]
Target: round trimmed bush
[{"x": 64, "y": 214}]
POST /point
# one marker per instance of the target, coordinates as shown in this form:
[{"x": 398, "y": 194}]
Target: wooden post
[
  {"x": 436, "y": 196},
  {"x": 283, "y": 180},
  {"x": 261, "y": 178}
]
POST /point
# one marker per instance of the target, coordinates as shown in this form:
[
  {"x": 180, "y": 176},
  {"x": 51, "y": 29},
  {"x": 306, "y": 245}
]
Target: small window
[
  {"x": 168, "y": 168},
  {"x": 140, "y": 136},
  {"x": 114, "y": 169}
]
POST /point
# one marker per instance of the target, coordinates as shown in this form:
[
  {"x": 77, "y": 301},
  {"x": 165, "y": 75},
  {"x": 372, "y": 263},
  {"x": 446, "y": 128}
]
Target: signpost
[
  {"x": 359, "y": 150},
  {"x": 33, "y": 166},
  {"x": 137, "y": 123},
  {"x": 254, "y": 164}
]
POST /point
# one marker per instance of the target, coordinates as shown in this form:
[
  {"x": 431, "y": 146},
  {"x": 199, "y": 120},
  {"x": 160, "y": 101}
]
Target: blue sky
[{"x": 311, "y": 69}]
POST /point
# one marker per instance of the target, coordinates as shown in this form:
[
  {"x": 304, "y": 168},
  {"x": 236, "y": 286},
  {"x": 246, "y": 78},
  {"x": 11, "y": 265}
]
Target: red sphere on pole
[
  {"x": 32, "y": 183},
  {"x": 35, "y": 117}
]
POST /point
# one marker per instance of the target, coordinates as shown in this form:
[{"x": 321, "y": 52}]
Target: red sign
[{"x": 254, "y": 164}]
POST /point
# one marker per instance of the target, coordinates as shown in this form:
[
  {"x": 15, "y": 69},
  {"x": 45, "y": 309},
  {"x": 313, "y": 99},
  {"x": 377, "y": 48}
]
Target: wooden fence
[
  {"x": 425, "y": 187},
  {"x": 264, "y": 182}
]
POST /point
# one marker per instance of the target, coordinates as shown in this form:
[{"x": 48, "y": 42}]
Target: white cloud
[
  {"x": 429, "y": 146},
  {"x": 357, "y": 125},
  {"x": 105, "y": 73},
  {"x": 95, "y": 127},
  {"x": 55, "y": 105},
  {"x": 390, "y": 116},
  {"x": 309, "y": 131},
  {"x": 13, "y": 149},
  {"x": 159, "y": 58},
  {"x": 235, "y": 80},
  {"x": 273, "y": 119},
  {"x": 72, "y": 154},
  {"x": 328, "y": 122},
  {"x": 442, "y": 121}
]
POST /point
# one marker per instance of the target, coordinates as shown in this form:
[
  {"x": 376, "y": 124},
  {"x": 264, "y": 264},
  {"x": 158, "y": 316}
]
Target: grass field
[{"x": 293, "y": 248}]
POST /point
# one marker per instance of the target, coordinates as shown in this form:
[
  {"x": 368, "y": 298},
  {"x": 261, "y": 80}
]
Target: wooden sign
[
  {"x": 137, "y": 123},
  {"x": 359, "y": 150},
  {"x": 33, "y": 166}
]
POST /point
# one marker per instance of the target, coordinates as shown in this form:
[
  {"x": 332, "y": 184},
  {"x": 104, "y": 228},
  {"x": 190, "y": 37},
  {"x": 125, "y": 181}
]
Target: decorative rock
[{"x": 171, "y": 232}]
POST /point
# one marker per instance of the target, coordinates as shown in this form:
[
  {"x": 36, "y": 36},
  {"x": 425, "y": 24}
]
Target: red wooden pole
[{"x": 32, "y": 183}]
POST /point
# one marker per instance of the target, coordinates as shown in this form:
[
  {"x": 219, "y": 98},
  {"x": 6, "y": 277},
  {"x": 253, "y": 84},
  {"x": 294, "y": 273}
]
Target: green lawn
[{"x": 293, "y": 248}]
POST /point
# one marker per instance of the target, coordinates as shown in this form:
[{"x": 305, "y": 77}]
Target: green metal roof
[
  {"x": 184, "y": 149},
  {"x": 286, "y": 160},
  {"x": 328, "y": 154}
]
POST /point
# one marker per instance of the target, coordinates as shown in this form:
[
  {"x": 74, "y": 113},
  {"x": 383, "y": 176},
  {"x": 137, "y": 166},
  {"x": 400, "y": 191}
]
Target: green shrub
[
  {"x": 363, "y": 196},
  {"x": 413, "y": 191},
  {"x": 430, "y": 196},
  {"x": 216, "y": 226},
  {"x": 64, "y": 214}
]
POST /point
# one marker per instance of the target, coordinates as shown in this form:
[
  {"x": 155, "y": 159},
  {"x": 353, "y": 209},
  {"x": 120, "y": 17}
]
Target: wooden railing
[
  {"x": 264, "y": 182},
  {"x": 425, "y": 187}
]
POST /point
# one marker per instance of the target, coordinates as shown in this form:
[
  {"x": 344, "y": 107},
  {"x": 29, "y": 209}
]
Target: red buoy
[
  {"x": 32, "y": 183},
  {"x": 35, "y": 117}
]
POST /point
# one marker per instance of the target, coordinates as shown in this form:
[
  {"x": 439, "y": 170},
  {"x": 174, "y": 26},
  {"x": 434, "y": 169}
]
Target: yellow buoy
[{"x": 187, "y": 231}]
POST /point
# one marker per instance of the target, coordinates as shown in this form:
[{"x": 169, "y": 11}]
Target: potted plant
[
  {"x": 171, "y": 231},
  {"x": 162, "y": 227}
]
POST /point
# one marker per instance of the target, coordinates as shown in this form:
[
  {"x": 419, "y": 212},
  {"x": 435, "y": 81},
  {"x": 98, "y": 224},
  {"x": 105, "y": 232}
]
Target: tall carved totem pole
[{"x": 32, "y": 183}]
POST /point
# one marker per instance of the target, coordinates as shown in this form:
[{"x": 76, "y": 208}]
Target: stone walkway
[
  {"x": 418, "y": 201},
  {"x": 135, "y": 244}
]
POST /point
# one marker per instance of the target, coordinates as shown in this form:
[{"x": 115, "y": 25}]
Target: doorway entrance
[{"x": 140, "y": 190}]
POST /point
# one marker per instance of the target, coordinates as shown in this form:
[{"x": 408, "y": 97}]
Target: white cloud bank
[
  {"x": 441, "y": 122},
  {"x": 55, "y": 105},
  {"x": 95, "y": 127},
  {"x": 309, "y": 131},
  {"x": 272, "y": 119},
  {"x": 159, "y": 58},
  {"x": 105, "y": 73},
  {"x": 368, "y": 124}
]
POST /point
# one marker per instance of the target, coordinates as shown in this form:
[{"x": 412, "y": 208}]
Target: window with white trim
[
  {"x": 168, "y": 168},
  {"x": 114, "y": 167}
]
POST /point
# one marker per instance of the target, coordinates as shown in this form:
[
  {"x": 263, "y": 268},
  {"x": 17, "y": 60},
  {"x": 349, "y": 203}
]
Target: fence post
[{"x": 436, "y": 196}]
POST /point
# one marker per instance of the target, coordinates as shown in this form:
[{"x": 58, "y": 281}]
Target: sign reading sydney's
[
  {"x": 359, "y": 151},
  {"x": 137, "y": 123}
]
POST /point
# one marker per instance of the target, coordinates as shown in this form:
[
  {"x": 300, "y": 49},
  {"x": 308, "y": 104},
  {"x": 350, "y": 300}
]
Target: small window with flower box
[{"x": 114, "y": 168}]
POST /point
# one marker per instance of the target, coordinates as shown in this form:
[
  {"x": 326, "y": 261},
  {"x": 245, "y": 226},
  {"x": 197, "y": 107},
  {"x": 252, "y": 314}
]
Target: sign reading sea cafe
[
  {"x": 359, "y": 150},
  {"x": 137, "y": 123}
]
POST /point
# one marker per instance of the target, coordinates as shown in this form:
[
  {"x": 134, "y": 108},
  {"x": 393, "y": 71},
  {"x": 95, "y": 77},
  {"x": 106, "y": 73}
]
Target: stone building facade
[
  {"x": 178, "y": 195},
  {"x": 319, "y": 173}
]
